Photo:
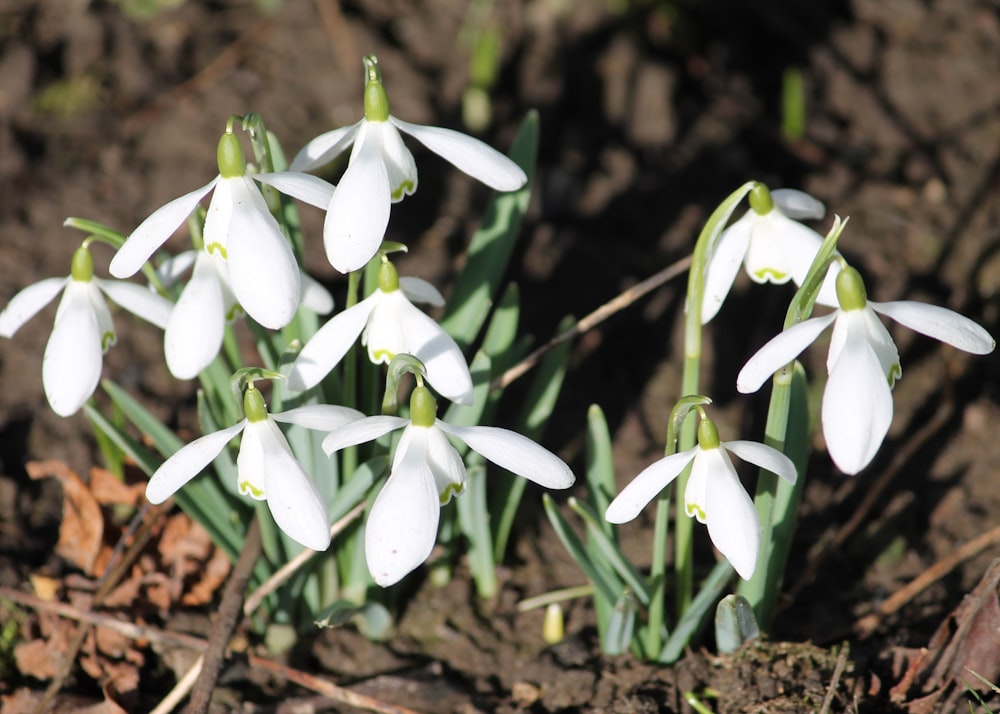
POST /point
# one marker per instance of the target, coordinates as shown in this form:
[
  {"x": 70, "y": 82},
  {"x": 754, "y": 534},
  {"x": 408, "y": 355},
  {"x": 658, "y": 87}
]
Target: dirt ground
[{"x": 651, "y": 112}]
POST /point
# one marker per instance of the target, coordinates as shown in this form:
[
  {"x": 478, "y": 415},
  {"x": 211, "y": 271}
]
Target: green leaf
[
  {"x": 165, "y": 441},
  {"x": 491, "y": 246},
  {"x": 600, "y": 467},
  {"x": 605, "y": 549},
  {"x": 694, "y": 616}
]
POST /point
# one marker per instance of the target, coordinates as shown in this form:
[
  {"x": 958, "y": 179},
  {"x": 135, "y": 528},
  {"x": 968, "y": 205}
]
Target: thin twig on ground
[
  {"x": 225, "y": 621},
  {"x": 592, "y": 320}
]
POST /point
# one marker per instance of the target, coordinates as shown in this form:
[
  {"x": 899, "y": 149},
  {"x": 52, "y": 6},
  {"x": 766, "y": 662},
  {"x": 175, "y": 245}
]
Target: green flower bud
[
  {"x": 253, "y": 405},
  {"x": 229, "y": 154},
  {"x": 708, "y": 435},
  {"x": 376, "y": 100},
  {"x": 423, "y": 407},
  {"x": 82, "y": 266},
  {"x": 388, "y": 277},
  {"x": 851, "y": 289},
  {"x": 760, "y": 199}
]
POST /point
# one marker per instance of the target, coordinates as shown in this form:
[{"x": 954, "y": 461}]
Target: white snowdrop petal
[
  {"x": 188, "y": 462},
  {"x": 798, "y": 244},
  {"x": 28, "y": 303},
  {"x": 171, "y": 269},
  {"x": 399, "y": 163},
  {"x": 138, "y": 300},
  {"x": 766, "y": 260},
  {"x": 314, "y": 296},
  {"x": 644, "y": 487},
  {"x": 419, "y": 290},
  {"x": 447, "y": 370},
  {"x": 71, "y": 365},
  {"x": 798, "y": 204},
  {"x": 329, "y": 345},
  {"x": 857, "y": 405},
  {"x": 308, "y": 189},
  {"x": 361, "y": 431},
  {"x": 514, "y": 452},
  {"x": 219, "y": 217},
  {"x": 324, "y": 148},
  {"x": 292, "y": 497},
  {"x": 764, "y": 456},
  {"x": 446, "y": 464},
  {"x": 194, "y": 332},
  {"x": 262, "y": 268},
  {"x": 471, "y": 156},
  {"x": 732, "y": 520},
  {"x": 402, "y": 524},
  {"x": 940, "y": 323},
  {"x": 782, "y": 349},
  {"x": 154, "y": 231},
  {"x": 358, "y": 214},
  {"x": 724, "y": 264},
  {"x": 319, "y": 417}
]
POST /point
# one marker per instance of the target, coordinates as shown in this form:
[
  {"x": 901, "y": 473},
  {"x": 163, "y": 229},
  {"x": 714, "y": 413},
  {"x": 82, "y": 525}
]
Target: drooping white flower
[
  {"x": 389, "y": 324},
  {"x": 239, "y": 227},
  {"x": 770, "y": 245},
  {"x": 426, "y": 471},
  {"x": 382, "y": 171},
  {"x": 197, "y": 323},
  {"x": 714, "y": 493},
  {"x": 83, "y": 330},
  {"x": 267, "y": 468},
  {"x": 863, "y": 364}
]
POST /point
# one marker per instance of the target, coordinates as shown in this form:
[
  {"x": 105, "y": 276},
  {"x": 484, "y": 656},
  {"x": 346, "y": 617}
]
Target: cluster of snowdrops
[{"x": 243, "y": 266}]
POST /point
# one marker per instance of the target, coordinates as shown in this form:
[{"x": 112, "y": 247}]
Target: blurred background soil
[{"x": 651, "y": 112}]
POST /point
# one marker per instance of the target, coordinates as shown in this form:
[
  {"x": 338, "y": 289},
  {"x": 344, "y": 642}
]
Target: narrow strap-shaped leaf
[{"x": 607, "y": 550}]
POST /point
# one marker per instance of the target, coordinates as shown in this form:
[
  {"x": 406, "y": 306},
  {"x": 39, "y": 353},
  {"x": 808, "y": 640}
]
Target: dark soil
[{"x": 651, "y": 112}]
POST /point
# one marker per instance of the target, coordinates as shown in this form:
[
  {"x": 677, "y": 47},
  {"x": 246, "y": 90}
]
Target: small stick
[
  {"x": 225, "y": 621},
  {"x": 867, "y": 624},
  {"x": 838, "y": 670},
  {"x": 592, "y": 320}
]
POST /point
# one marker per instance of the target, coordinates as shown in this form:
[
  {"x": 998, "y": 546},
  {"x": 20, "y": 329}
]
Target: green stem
[{"x": 349, "y": 459}]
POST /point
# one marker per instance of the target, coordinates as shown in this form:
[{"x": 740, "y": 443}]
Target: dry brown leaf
[
  {"x": 82, "y": 529},
  {"x": 109, "y": 490},
  {"x": 45, "y": 587},
  {"x": 35, "y": 659},
  {"x": 215, "y": 573}
]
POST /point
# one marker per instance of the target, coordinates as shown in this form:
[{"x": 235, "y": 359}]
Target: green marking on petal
[
  {"x": 248, "y": 489},
  {"x": 452, "y": 489},
  {"x": 382, "y": 356},
  {"x": 217, "y": 247},
  {"x": 694, "y": 511},
  {"x": 234, "y": 312},
  {"x": 775, "y": 276},
  {"x": 107, "y": 339},
  {"x": 404, "y": 188},
  {"x": 895, "y": 372}
]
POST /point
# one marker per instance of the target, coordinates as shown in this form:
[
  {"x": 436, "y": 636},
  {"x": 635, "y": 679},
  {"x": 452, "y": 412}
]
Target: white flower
[
  {"x": 714, "y": 494},
  {"x": 83, "y": 330},
  {"x": 389, "y": 324},
  {"x": 263, "y": 272},
  {"x": 863, "y": 364},
  {"x": 268, "y": 470},
  {"x": 382, "y": 171},
  {"x": 426, "y": 470},
  {"x": 771, "y": 246},
  {"x": 197, "y": 322}
]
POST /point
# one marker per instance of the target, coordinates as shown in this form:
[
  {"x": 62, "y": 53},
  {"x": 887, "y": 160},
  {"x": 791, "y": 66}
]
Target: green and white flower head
[
  {"x": 771, "y": 246},
  {"x": 714, "y": 493},
  {"x": 83, "y": 330},
  {"x": 382, "y": 171},
  {"x": 863, "y": 363},
  {"x": 267, "y": 468},
  {"x": 426, "y": 472},
  {"x": 240, "y": 229},
  {"x": 198, "y": 320},
  {"x": 388, "y": 324}
]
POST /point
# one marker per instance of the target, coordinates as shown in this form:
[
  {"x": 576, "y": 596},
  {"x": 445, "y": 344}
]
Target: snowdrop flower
[
  {"x": 83, "y": 330},
  {"x": 714, "y": 494},
  {"x": 382, "y": 171},
  {"x": 389, "y": 324},
  {"x": 863, "y": 364},
  {"x": 266, "y": 466},
  {"x": 240, "y": 229},
  {"x": 197, "y": 322},
  {"x": 426, "y": 471},
  {"x": 770, "y": 245}
]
